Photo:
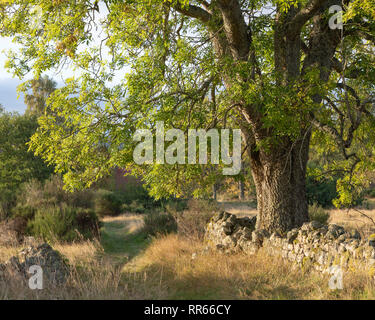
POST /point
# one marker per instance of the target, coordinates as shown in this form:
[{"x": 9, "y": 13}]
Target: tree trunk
[
  {"x": 241, "y": 183},
  {"x": 280, "y": 180},
  {"x": 241, "y": 187},
  {"x": 214, "y": 191}
]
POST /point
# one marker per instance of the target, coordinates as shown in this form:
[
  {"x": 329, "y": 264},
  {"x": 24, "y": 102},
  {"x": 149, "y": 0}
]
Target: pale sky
[{"x": 8, "y": 85}]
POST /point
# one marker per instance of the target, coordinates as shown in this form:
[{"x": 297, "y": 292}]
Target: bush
[
  {"x": 135, "y": 206},
  {"x": 321, "y": 192},
  {"x": 139, "y": 194},
  {"x": 156, "y": 223},
  {"x": 45, "y": 210},
  {"x": 5, "y": 206},
  {"x": 25, "y": 212},
  {"x": 191, "y": 223},
  {"x": 370, "y": 192},
  {"x": 51, "y": 193},
  {"x": 17, "y": 165},
  {"x": 87, "y": 223},
  {"x": 64, "y": 224},
  {"x": 175, "y": 205},
  {"x": 317, "y": 213},
  {"x": 200, "y": 205},
  {"x": 107, "y": 203}
]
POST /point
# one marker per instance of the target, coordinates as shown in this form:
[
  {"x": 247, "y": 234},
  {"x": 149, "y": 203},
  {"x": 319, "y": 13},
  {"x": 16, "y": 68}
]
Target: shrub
[
  {"x": 156, "y": 223},
  {"x": 201, "y": 205},
  {"x": 136, "y": 207},
  {"x": 17, "y": 165},
  {"x": 320, "y": 192},
  {"x": 107, "y": 203},
  {"x": 5, "y": 206},
  {"x": 192, "y": 222},
  {"x": 53, "y": 224},
  {"x": 175, "y": 205},
  {"x": 87, "y": 222},
  {"x": 14, "y": 230},
  {"x": 64, "y": 224},
  {"x": 137, "y": 193},
  {"x": 25, "y": 212},
  {"x": 21, "y": 216},
  {"x": 317, "y": 213},
  {"x": 51, "y": 193},
  {"x": 46, "y": 210},
  {"x": 370, "y": 192}
]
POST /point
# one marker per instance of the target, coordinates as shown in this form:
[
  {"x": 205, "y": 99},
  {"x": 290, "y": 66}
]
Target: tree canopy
[
  {"x": 275, "y": 69},
  {"x": 17, "y": 165},
  {"x": 36, "y": 100}
]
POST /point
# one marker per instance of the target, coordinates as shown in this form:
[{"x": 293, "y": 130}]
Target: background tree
[
  {"x": 41, "y": 89},
  {"x": 275, "y": 69},
  {"x": 17, "y": 165}
]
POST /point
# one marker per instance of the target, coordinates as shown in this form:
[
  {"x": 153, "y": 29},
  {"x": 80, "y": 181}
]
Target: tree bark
[
  {"x": 241, "y": 186},
  {"x": 214, "y": 191},
  {"x": 281, "y": 186}
]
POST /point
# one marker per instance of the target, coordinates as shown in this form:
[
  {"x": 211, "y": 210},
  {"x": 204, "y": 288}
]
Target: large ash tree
[{"x": 275, "y": 69}]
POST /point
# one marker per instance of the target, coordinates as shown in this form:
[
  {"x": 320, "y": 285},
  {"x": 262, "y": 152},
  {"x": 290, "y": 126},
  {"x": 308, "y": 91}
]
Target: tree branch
[
  {"x": 193, "y": 12},
  {"x": 235, "y": 28},
  {"x": 304, "y": 15}
]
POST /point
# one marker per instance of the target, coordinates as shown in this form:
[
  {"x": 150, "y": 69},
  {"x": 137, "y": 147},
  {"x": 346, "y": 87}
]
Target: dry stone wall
[{"x": 313, "y": 245}]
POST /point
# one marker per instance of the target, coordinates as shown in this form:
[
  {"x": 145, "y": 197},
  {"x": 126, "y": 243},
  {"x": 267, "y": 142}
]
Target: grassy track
[{"x": 122, "y": 237}]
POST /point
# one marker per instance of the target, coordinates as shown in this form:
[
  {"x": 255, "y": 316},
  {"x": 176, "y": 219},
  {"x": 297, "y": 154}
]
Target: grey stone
[
  {"x": 54, "y": 266},
  {"x": 292, "y": 235},
  {"x": 323, "y": 245}
]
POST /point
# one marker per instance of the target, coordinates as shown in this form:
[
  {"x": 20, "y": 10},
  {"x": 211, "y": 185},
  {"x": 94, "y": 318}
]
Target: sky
[
  {"x": 9, "y": 98},
  {"x": 8, "y": 85}
]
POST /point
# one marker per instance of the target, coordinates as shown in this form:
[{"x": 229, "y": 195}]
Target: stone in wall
[
  {"x": 225, "y": 232},
  {"x": 313, "y": 245}
]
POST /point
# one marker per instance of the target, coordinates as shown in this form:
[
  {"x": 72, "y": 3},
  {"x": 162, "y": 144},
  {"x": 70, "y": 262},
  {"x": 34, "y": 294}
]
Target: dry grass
[
  {"x": 173, "y": 267},
  {"x": 80, "y": 252},
  {"x": 354, "y": 220},
  {"x": 239, "y": 208},
  {"x": 167, "y": 270},
  {"x": 169, "y": 265},
  {"x": 132, "y": 222},
  {"x": 7, "y": 252},
  {"x": 92, "y": 276}
]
